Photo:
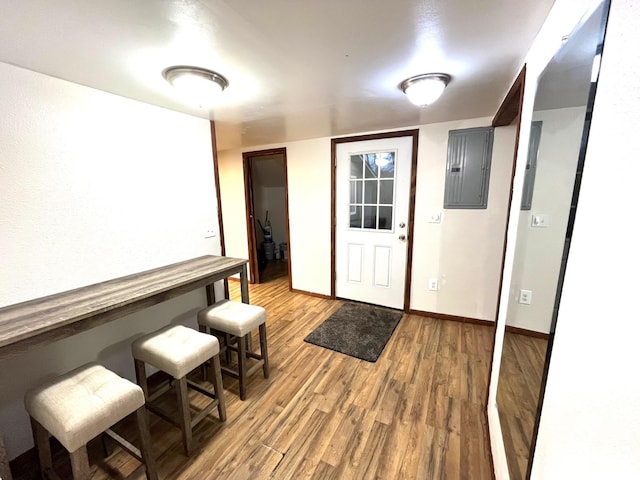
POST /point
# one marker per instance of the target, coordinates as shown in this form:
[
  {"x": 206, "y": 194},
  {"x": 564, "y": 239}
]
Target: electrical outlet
[
  {"x": 209, "y": 233},
  {"x": 433, "y": 284},
  {"x": 525, "y": 297}
]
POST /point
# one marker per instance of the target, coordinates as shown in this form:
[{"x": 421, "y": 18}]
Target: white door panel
[
  {"x": 382, "y": 266},
  {"x": 354, "y": 262},
  {"x": 373, "y": 180}
]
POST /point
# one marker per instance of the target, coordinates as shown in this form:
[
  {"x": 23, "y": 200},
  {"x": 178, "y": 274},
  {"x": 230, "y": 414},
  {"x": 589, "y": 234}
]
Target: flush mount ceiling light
[
  {"x": 425, "y": 89},
  {"x": 196, "y": 85}
]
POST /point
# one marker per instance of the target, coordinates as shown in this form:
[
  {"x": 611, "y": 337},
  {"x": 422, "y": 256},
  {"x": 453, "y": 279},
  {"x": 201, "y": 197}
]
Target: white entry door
[{"x": 373, "y": 180}]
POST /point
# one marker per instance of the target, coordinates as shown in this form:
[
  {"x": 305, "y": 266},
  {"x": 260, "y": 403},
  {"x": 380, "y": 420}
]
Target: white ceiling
[{"x": 297, "y": 68}]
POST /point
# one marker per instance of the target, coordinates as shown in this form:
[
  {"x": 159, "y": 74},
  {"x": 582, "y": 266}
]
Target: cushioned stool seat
[
  {"x": 238, "y": 320},
  {"x": 80, "y": 405},
  {"x": 177, "y": 350}
]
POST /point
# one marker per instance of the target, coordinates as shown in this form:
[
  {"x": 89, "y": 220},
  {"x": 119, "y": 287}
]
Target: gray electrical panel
[
  {"x": 468, "y": 168},
  {"x": 532, "y": 164}
]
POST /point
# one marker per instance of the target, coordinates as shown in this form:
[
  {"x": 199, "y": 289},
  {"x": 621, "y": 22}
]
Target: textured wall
[{"x": 93, "y": 187}]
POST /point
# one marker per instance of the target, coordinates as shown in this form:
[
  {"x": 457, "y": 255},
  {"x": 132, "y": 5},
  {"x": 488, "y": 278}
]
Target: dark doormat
[{"x": 355, "y": 329}]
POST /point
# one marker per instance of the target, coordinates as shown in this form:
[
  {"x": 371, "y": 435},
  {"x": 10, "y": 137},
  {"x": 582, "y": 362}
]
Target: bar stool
[
  {"x": 79, "y": 406},
  {"x": 177, "y": 350},
  {"x": 236, "y": 320}
]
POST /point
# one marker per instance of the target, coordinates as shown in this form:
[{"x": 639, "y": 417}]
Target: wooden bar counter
[{"x": 34, "y": 323}]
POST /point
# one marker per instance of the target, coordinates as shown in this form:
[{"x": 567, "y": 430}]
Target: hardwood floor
[
  {"x": 417, "y": 413},
  {"x": 274, "y": 269},
  {"x": 518, "y": 390}
]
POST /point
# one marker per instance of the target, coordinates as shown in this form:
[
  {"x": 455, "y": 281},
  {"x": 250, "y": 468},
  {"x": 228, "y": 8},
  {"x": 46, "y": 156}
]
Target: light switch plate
[
  {"x": 435, "y": 217},
  {"x": 539, "y": 220}
]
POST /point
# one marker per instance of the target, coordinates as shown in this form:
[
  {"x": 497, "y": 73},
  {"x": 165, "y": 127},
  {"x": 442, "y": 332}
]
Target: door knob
[{"x": 402, "y": 237}]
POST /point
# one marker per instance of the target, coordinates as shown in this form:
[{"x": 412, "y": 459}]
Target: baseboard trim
[
  {"x": 454, "y": 318},
  {"x": 527, "y": 333},
  {"x": 311, "y": 294}
]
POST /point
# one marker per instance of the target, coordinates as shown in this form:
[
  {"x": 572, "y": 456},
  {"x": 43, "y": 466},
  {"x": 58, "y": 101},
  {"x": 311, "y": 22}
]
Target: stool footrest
[
  {"x": 128, "y": 446},
  {"x": 250, "y": 371},
  {"x": 258, "y": 365},
  {"x": 200, "y": 389},
  {"x": 170, "y": 418},
  {"x": 162, "y": 414},
  {"x": 248, "y": 353},
  {"x": 160, "y": 391},
  {"x": 203, "y": 413},
  {"x": 228, "y": 371}
]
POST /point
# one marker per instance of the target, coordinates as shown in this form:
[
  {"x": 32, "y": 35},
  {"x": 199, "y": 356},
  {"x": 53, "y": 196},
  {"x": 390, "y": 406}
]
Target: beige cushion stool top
[
  {"x": 83, "y": 403},
  {"x": 238, "y": 320},
  {"x": 177, "y": 350},
  {"x": 234, "y": 318},
  {"x": 78, "y": 406}
]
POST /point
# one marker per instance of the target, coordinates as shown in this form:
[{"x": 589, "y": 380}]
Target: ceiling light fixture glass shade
[
  {"x": 425, "y": 89},
  {"x": 196, "y": 85}
]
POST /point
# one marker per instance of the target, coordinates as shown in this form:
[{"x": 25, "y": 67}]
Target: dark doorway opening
[{"x": 265, "y": 175}]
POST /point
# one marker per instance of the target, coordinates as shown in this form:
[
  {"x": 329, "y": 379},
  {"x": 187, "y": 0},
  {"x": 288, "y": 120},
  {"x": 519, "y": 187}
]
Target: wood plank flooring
[
  {"x": 417, "y": 413},
  {"x": 274, "y": 269},
  {"x": 518, "y": 391}
]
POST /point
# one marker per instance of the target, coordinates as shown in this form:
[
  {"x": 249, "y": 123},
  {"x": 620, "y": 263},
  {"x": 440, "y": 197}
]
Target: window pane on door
[
  {"x": 370, "y": 166},
  {"x": 355, "y": 217},
  {"x": 385, "y": 220},
  {"x": 387, "y": 164},
  {"x": 356, "y": 166},
  {"x": 386, "y": 192},
  {"x": 370, "y": 217},
  {"x": 371, "y": 191},
  {"x": 371, "y": 194},
  {"x": 355, "y": 195}
]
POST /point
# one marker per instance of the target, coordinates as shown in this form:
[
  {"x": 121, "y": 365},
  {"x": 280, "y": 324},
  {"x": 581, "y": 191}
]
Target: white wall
[
  {"x": 309, "y": 179},
  {"x": 467, "y": 265},
  {"x": 93, "y": 187},
  {"x": 539, "y": 250},
  {"x": 590, "y": 424},
  {"x": 464, "y": 251}
]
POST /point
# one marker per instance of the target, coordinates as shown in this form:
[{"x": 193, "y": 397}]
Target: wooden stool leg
[
  {"x": 141, "y": 377},
  {"x": 80, "y": 464},
  {"x": 185, "y": 415},
  {"x": 264, "y": 353},
  {"x": 216, "y": 379},
  {"x": 227, "y": 351},
  {"x": 145, "y": 444},
  {"x": 242, "y": 366},
  {"x": 106, "y": 450},
  {"x": 203, "y": 367},
  {"x": 41, "y": 439},
  {"x": 5, "y": 471}
]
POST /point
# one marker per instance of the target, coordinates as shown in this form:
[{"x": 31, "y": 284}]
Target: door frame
[
  {"x": 216, "y": 177},
  {"x": 412, "y": 201},
  {"x": 254, "y": 272}
]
